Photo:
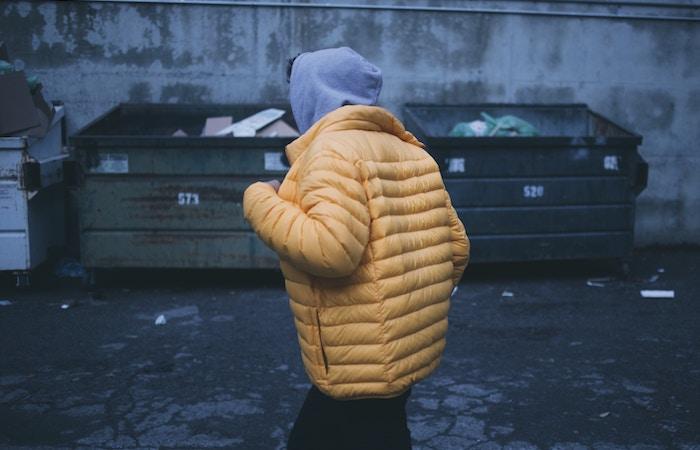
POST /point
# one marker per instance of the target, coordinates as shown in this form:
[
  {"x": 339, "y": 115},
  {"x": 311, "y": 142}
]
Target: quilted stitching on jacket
[{"x": 370, "y": 248}]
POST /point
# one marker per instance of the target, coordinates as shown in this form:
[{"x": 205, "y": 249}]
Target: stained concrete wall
[{"x": 644, "y": 75}]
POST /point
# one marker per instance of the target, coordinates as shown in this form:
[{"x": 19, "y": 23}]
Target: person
[{"x": 370, "y": 248}]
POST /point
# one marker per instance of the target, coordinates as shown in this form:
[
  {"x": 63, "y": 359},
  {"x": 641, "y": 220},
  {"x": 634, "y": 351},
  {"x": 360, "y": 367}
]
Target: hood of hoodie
[{"x": 325, "y": 80}]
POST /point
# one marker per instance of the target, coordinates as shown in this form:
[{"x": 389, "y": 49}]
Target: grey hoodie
[{"x": 325, "y": 80}]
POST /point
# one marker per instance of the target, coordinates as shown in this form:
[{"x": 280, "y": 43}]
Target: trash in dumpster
[
  {"x": 279, "y": 128},
  {"x": 502, "y": 126},
  {"x": 17, "y": 110},
  {"x": 658, "y": 294},
  {"x": 475, "y": 128},
  {"x": 160, "y": 320},
  {"x": 214, "y": 125},
  {"x": 251, "y": 124},
  {"x": 5, "y": 303},
  {"x": 23, "y": 110}
]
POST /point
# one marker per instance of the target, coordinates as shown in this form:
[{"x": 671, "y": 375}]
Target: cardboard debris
[
  {"x": 279, "y": 128},
  {"x": 17, "y": 110},
  {"x": 22, "y": 113},
  {"x": 657, "y": 294},
  {"x": 214, "y": 125},
  {"x": 179, "y": 133},
  {"x": 250, "y": 125}
]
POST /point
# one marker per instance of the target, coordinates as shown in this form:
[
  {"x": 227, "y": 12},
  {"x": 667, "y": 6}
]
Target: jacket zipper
[{"x": 320, "y": 342}]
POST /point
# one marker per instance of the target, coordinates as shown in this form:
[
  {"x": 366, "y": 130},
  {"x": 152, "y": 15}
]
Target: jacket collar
[{"x": 351, "y": 117}]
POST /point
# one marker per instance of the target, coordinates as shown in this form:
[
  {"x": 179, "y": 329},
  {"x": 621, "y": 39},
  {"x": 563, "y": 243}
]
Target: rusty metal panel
[
  {"x": 163, "y": 203},
  {"x": 175, "y": 249},
  {"x": 149, "y": 199},
  {"x": 193, "y": 160}
]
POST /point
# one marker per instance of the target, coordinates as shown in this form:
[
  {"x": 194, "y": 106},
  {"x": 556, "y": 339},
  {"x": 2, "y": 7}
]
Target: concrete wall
[{"x": 643, "y": 74}]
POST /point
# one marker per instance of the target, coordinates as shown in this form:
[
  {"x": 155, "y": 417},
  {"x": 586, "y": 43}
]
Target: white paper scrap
[
  {"x": 658, "y": 294},
  {"x": 245, "y": 127}
]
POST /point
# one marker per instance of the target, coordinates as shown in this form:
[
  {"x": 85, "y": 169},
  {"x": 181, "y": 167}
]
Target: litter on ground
[
  {"x": 5, "y": 303},
  {"x": 507, "y": 294},
  {"x": 658, "y": 294},
  {"x": 598, "y": 282},
  {"x": 160, "y": 320}
]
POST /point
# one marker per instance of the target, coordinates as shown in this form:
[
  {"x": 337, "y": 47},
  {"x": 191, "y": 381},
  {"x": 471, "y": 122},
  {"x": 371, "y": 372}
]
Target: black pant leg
[
  {"x": 377, "y": 424},
  {"x": 367, "y": 424},
  {"x": 316, "y": 426}
]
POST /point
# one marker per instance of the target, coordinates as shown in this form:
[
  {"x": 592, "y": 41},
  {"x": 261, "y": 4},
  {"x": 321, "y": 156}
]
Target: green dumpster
[{"x": 156, "y": 194}]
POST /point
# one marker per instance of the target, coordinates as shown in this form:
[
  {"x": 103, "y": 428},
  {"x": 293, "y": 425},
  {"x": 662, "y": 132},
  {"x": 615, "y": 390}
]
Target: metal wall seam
[{"x": 434, "y": 9}]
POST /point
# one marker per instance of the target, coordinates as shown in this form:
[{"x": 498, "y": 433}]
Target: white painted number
[
  {"x": 455, "y": 165},
  {"x": 611, "y": 162},
  {"x": 533, "y": 191},
  {"x": 187, "y": 198}
]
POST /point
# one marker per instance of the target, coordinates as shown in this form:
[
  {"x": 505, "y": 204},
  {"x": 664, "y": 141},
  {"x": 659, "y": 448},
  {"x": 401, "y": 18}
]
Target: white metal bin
[{"x": 32, "y": 199}]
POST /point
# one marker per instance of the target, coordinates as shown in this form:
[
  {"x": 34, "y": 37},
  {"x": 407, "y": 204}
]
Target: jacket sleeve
[
  {"x": 326, "y": 235},
  {"x": 460, "y": 243}
]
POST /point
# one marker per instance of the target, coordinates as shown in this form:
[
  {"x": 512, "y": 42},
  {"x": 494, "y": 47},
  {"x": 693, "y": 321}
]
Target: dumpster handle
[{"x": 641, "y": 176}]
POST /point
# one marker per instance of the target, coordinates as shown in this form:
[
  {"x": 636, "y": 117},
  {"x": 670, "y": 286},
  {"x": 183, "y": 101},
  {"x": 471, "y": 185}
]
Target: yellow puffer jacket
[{"x": 370, "y": 247}]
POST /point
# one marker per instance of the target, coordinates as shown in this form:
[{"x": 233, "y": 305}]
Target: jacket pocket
[{"x": 320, "y": 341}]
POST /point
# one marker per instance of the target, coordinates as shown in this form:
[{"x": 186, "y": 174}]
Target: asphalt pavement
[{"x": 538, "y": 357}]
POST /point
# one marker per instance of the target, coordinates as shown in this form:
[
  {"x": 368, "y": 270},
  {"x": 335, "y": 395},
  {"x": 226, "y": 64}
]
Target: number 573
[{"x": 187, "y": 198}]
